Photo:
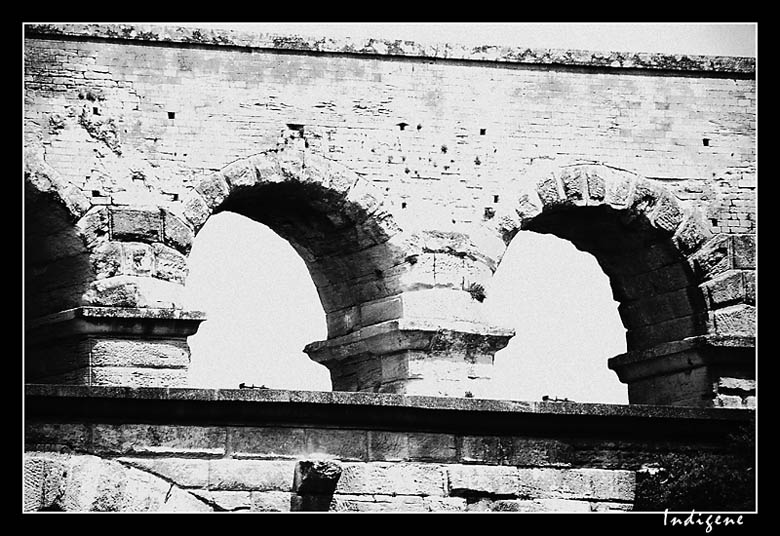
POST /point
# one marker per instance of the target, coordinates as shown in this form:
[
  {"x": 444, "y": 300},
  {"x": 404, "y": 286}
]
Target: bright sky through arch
[{"x": 259, "y": 323}]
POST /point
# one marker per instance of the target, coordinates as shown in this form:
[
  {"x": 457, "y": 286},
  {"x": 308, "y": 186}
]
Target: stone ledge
[
  {"x": 380, "y": 47},
  {"x": 661, "y": 351},
  {"x": 107, "y": 321},
  {"x": 371, "y": 411}
]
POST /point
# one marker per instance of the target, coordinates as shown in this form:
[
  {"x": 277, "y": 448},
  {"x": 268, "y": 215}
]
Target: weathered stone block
[
  {"x": 392, "y": 478},
  {"x": 136, "y": 224},
  {"x": 178, "y": 234},
  {"x": 431, "y": 447},
  {"x": 132, "y": 352},
  {"x": 240, "y": 174},
  {"x": 214, "y": 189},
  {"x": 138, "y": 377},
  {"x": 737, "y": 384},
  {"x": 619, "y": 188},
  {"x": 377, "y": 503},
  {"x": 744, "y": 251},
  {"x": 690, "y": 235},
  {"x": 95, "y": 226},
  {"x": 251, "y": 475},
  {"x": 726, "y": 288},
  {"x": 547, "y": 189},
  {"x": 544, "y": 483},
  {"x": 271, "y": 442},
  {"x": 729, "y": 401},
  {"x": 482, "y": 479},
  {"x": 574, "y": 181},
  {"x": 387, "y": 446},
  {"x": 184, "y": 472},
  {"x": 444, "y": 504},
  {"x": 106, "y": 259},
  {"x": 667, "y": 216},
  {"x": 713, "y": 257},
  {"x": 138, "y": 259},
  {"x": 196, "y": 210},
  {"x": 316, "y": 477},
  {"x": 342, "y": 444},
  {"x": 171, "y": 440},
  {"x": 56, "y": 437},
  {"x": 736, "y": 320},
  {"x": 132, "y": 291},
  {"x": 270, "y": 501},
  {"x": 169, "y": 264}
]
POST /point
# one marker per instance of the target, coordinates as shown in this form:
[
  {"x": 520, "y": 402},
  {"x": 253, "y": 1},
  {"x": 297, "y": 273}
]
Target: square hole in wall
[{"x": 171, "y": 115}]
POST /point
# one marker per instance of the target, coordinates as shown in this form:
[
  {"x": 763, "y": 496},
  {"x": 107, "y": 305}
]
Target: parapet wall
[{"x": 150, "y": 449}]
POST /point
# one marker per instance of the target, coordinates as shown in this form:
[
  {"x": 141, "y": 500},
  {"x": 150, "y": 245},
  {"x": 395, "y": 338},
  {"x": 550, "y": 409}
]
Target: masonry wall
[
  {"x": 121, "y": 449},
  {"x": 140, "y": 116}
]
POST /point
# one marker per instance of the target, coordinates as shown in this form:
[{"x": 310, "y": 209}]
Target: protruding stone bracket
[
  {"x": 111, "y": 346},
  {"x": 413, "y": 357},
  {"x": 704, "y": 371},
  {"x": 314, "y": 484}
]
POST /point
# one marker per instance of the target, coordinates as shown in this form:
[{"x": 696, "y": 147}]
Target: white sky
[{"x": 263, "y": 307}]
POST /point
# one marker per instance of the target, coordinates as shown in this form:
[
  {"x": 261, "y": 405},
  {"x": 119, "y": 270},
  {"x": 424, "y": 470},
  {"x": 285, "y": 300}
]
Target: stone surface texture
[{"x": 399, "y": 172}]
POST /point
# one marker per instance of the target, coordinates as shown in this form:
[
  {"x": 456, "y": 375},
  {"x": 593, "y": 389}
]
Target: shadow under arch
[{"x": 337, "y": 221}]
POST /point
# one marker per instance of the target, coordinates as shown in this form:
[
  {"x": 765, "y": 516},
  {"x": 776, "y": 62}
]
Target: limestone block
[
  {"x": 176, "y": 233},
  {"x": 713, "y": 257},
  {"x": 138, "y": 259},
  {"x": 270, "y": 501},
  {"x": 132, "y": 352},
  {"x": 690, "y": 235},
  {"x": 184, "y": 472},
  {"x": 735, "y": 320},
  {"x": 726, "y": 288},
  {"x": 482, "y": 479},
  {"x": 667, "y": 216},
  {"x": 55, "y": 437},
  {"x": 392, "y": 479},
  {"x": 169, "y": 264},
  {"x": 548, "y": 192},
  {"x": 240, "y": 174},
  {"x": 251, "y": 475},
  {"x": 106, "y": 259},
  {"x": 172, "y": 440},
  {"x": 95, "y": 226},
  {"x": 214, "y": 189},
  {"x": 196, "y": 210},
  {"x": 619, "y": 187},
  {"x": 316, "y": 476},
  {"x": 574, "y": 182},
  {"x": 131, "y": 291},
  {"x": 342, "y": 444},
  {"x": 444, "y": 504},
  {"x": 738, "y": 384},
  {"x": 136, "y": 224},
  {"x": 138, "y": 377},
  {"x": 270, "y": 442},
  {"x": 744, "y": 251}
]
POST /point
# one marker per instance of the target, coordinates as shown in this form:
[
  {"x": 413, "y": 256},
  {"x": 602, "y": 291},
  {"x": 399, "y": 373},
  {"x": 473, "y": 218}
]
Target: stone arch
[
  {"x": 640, "y": 235},
  {"x": 338, "y": 222},
  {"x": 653, "y": 250}
]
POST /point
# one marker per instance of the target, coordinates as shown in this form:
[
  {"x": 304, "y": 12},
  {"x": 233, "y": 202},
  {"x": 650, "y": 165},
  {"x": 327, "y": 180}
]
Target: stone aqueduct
[{"x": 400, "y": 173}]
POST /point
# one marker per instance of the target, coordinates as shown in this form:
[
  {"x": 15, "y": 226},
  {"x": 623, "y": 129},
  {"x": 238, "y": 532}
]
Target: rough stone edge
[{"x": 383, "y": 47}]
